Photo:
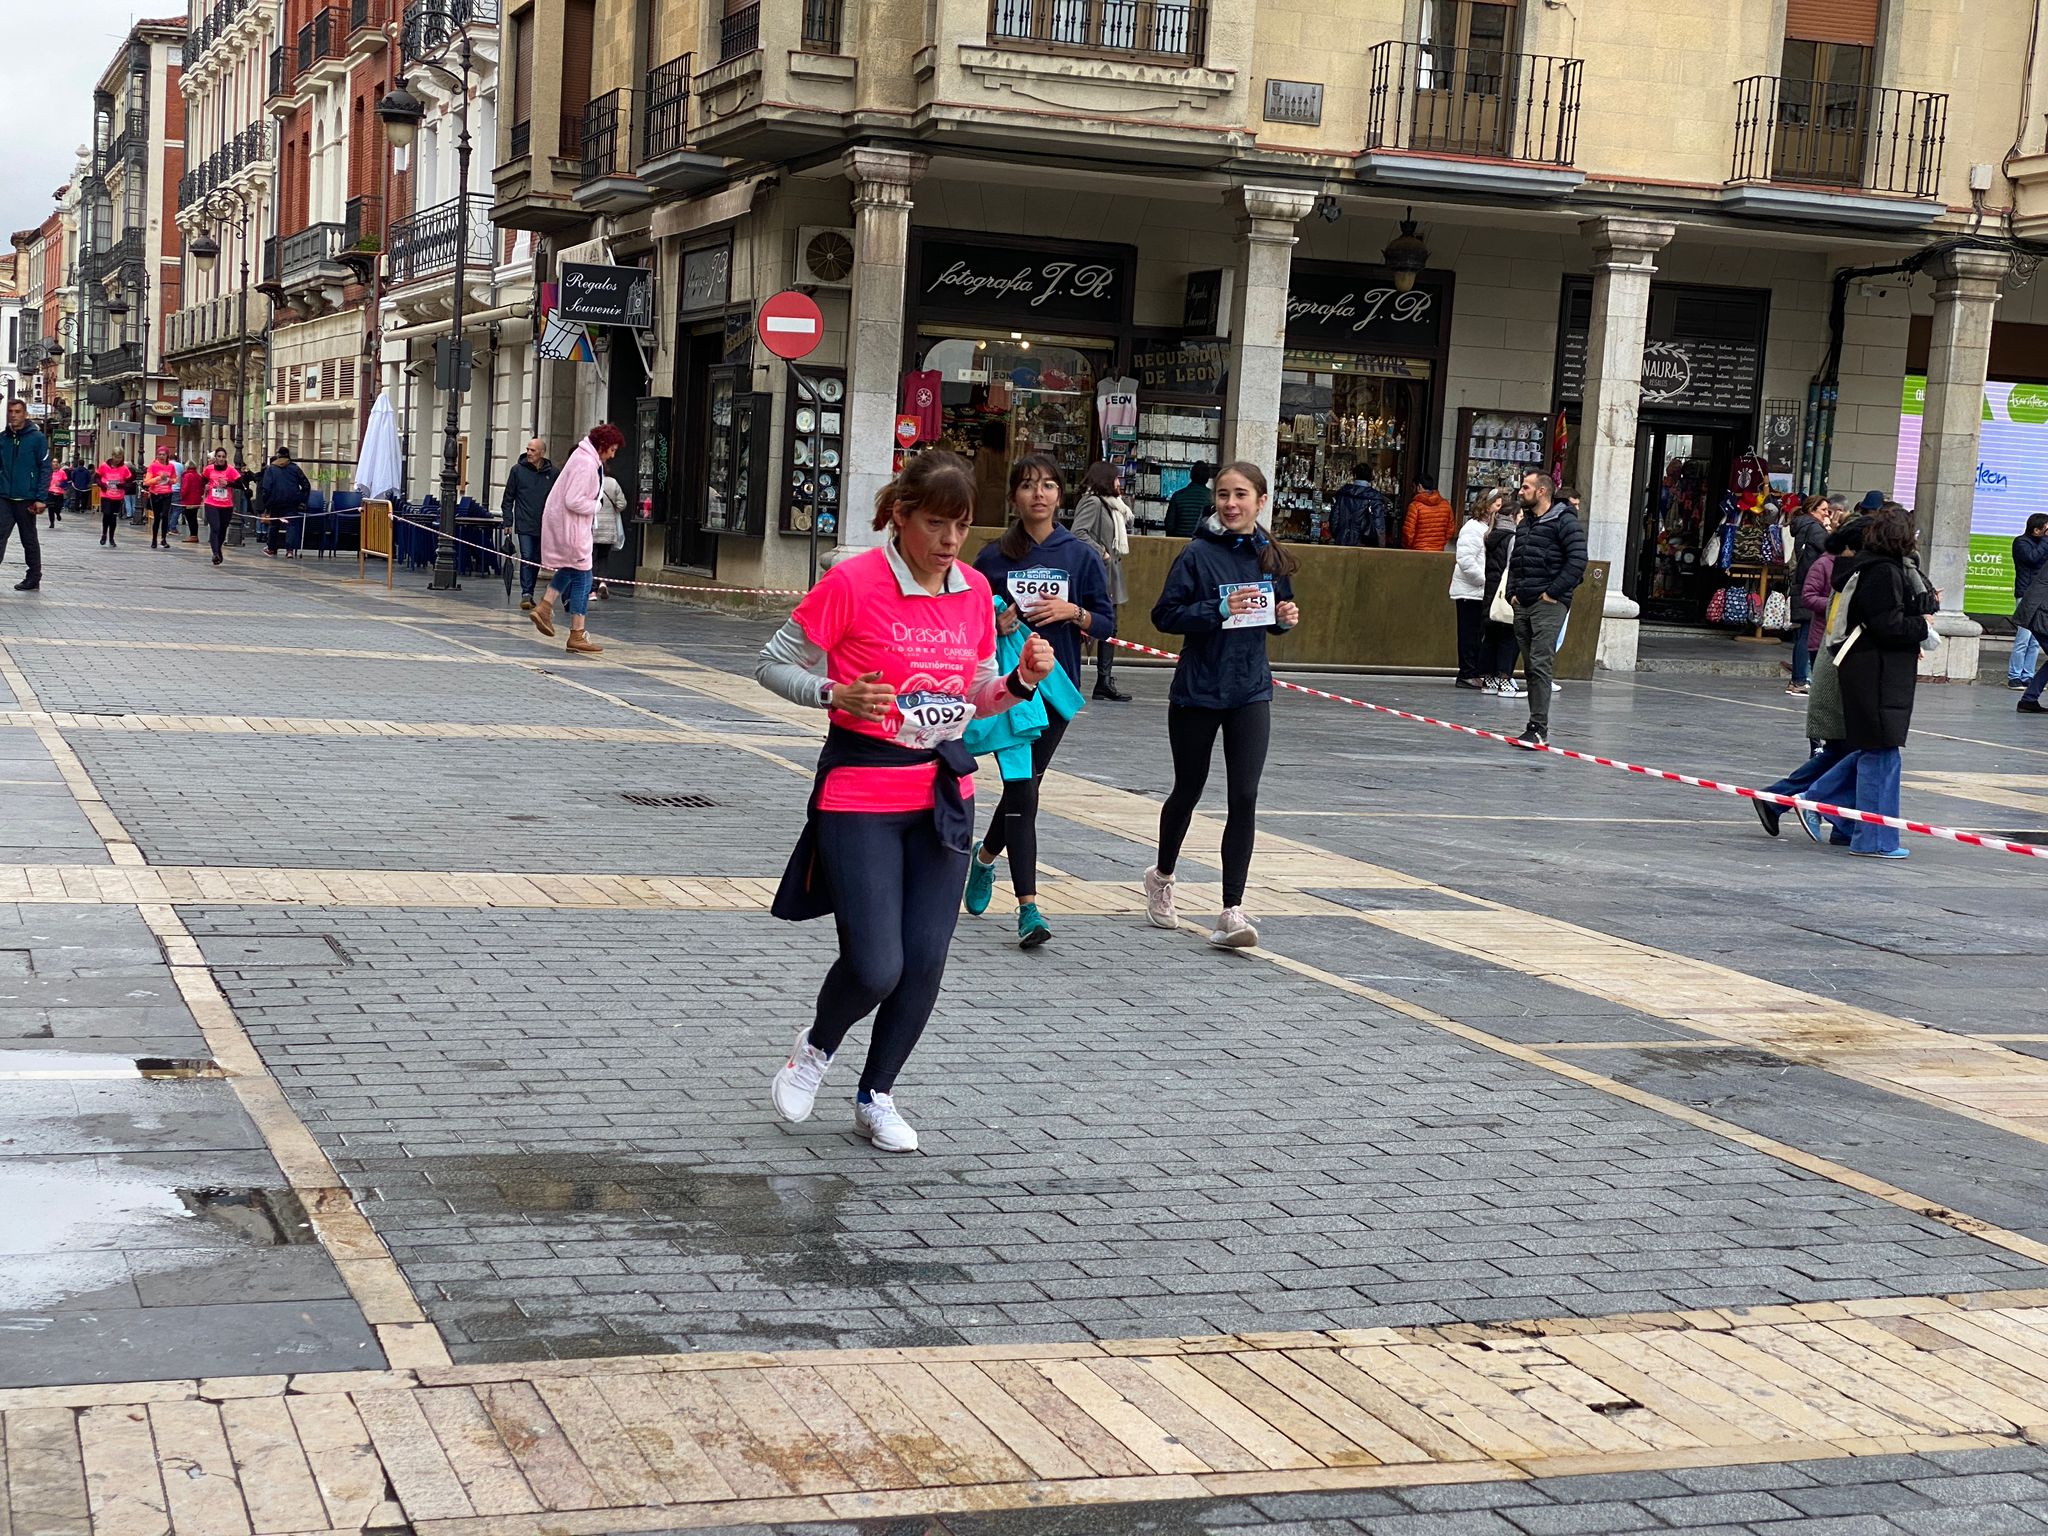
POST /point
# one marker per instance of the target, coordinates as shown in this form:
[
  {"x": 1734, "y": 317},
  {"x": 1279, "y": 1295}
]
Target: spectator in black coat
[
  {"x": 285, "y": 491},
  {"x": 2029, "y": 559}
]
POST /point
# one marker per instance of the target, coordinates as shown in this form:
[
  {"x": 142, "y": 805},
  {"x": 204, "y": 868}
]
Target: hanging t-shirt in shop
[
  {"x": 1750, "y": 478},
  {"x": 921, "y": 399},
  {"x": 1116, "y": 410}
]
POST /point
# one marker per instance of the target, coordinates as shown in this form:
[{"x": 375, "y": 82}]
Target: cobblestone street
[{"x": 388, "y": 1002}]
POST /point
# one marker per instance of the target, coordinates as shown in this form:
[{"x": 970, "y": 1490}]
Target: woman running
[
  {"x": 221, "y": 480},
  {"x": 117, "y": 480},
  {"x": 898, "y": 644},
  {"x": 1227, "y": 590},
  {"x": 1056, "y": 581}
]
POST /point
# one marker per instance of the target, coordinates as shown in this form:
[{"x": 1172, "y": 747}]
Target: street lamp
[
  {"x": 437, "y": 31},
  {"x": 227, "y": 206}
]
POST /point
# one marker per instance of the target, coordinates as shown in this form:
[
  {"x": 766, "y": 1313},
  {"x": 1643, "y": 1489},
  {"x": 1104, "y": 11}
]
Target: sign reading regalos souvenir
[
  {"x": 2011, "y": 483},
  {"x": 1358, "y": 309},
  {"x": 1023, "y": 286},
  {"x": 598, "y": 295}
]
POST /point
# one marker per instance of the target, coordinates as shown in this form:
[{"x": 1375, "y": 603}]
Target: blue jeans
[
  {"x": 529, "y": 562},
  {"x": 1802, "y": 655},
  {"x": 2026, "y": 657},
  {"x": 1869, "y": 781},
  {"x": 1802, "y": 778},
  {"x": 574, "y": 587}
]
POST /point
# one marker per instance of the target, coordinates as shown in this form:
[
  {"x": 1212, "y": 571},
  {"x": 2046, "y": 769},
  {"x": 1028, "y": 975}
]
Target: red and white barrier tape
[{"x": 1739, "y": 791}]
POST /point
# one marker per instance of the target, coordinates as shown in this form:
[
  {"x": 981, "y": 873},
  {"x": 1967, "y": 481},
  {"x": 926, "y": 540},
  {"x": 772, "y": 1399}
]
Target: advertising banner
[{"x": 2012, "y": 480}]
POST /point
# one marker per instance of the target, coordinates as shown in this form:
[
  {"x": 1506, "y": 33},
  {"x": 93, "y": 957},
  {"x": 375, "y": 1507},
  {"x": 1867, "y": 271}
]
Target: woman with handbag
[
  {"x": 608, "y": 531},
  {"x": 1877, "y": 626},
  {"x": 898, "y": 644},
  {"x": 1055, "y": 583}
]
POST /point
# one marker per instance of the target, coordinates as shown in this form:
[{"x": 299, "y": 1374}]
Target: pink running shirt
[
  {"x": 860, "y": 618},
  {"x": 220, "y": 484}
]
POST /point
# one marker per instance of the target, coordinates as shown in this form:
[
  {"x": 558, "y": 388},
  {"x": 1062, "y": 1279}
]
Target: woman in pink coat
[{"x": 565, "y": 528}]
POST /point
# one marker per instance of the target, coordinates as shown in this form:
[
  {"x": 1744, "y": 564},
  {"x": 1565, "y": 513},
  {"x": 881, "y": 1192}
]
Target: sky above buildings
[{"x": 53, "y": 54}]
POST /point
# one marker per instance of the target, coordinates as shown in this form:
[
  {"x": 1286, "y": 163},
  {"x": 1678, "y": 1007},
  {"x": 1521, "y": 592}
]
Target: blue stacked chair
[
  {"x": 346, "y": 506},
  {"x": 305, "y": 531}
]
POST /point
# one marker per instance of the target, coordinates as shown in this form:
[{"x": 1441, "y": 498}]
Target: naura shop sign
[
  {"x": 1358, "y": 309},
  {"x": 1023, "y": 285}
]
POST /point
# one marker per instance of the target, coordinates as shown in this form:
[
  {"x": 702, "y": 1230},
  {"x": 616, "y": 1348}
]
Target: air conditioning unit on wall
[{"x": 824, "y": 258}]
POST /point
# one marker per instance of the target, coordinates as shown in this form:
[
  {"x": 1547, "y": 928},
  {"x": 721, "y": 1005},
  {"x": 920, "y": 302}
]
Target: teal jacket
[
  {"x": 1009, "y": 735},
  {"x": 24, "y": 465}
]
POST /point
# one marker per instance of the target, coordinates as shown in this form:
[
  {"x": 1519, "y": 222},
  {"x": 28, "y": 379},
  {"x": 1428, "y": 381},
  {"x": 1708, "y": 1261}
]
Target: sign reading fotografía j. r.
[{"x": 600, "y": 295}]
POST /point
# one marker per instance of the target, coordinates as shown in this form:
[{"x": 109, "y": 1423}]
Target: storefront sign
[
  {"x": 1022, "y": 285},
  {"x": 1781, "y": 433},
  {"x": 1700, "y": 375},
  {"x": 1294, "y": 101},
  {"x": 2012, "y": 481},
  {"x": 1167, "y": 366},
  {"x": 1358, "y": 309},
  {"x": 195, "y": 404},
  {"x": 707, "y": 278},
  {"x": 1206, "y": 309},
  {"x": 599, "y": 295}
]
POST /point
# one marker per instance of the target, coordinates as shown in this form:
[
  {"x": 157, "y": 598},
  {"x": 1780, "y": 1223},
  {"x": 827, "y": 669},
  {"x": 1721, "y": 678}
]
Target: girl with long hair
[
  {"x": 898, "y": 644},
  {"x": 1054, "y": 582},
  {"x": 1226, "y": 593}
]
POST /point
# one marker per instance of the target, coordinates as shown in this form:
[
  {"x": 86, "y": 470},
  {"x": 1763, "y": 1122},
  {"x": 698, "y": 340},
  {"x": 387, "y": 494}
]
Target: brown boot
[
  {"x": 544, "y": 618},
  {"x": 582, "y": 644}
]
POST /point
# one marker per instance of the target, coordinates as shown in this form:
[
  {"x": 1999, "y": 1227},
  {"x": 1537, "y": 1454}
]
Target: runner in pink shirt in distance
[{"x": 898, "y": 644}]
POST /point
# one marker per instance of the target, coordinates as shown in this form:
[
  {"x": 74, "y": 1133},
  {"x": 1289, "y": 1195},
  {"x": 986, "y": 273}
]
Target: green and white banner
[{"x": 2012, "y": 480}]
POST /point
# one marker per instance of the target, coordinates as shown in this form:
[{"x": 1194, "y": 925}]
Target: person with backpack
[
  {"x": 1226, "y": 593},
  {"x": 1054, "y": 581},
  {"x": 1358, "y": 512}
]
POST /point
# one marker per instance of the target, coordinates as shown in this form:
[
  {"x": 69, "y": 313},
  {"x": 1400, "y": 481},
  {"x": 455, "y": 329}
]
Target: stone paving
[{"x": 354, "y": 1019}]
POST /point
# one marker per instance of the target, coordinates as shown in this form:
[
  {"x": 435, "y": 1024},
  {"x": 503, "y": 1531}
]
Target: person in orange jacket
[{"x": 1430, "y": 523}]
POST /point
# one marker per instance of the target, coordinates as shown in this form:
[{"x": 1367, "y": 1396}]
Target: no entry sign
[{"x": 791, "y": 325}]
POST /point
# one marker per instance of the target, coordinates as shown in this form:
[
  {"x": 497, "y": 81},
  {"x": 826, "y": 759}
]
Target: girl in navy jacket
[
  {"x": 1228, "y": 590},
  {"x": 1058, "y": 583}
]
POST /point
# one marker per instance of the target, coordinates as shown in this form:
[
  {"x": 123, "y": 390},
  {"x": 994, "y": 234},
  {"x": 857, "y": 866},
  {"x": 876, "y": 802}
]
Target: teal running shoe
[
  {"x": 1032, "y": 928},
  {"x": 981, "y": 882}
]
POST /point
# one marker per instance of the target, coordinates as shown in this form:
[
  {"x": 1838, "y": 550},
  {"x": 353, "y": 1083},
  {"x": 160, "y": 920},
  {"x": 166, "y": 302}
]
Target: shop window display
[
  {"x": 1334, "y": 415},
  {"x": 1004, "y": 395}
]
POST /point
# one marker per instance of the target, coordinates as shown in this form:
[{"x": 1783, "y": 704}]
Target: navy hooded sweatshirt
[
  {"x": 1087, "y": 587},
  {"x": 1219, "y": 668}
]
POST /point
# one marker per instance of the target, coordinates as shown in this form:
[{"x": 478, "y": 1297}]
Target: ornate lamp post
[
  {"x": 436, "y": 39},
  {"x": 229, "y": 207}
]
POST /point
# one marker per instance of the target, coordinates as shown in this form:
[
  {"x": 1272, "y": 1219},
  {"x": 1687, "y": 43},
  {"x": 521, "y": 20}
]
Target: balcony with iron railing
[
  {"x": 665, "y": 121},
  {"x": 362, "y": 223},
  {"x": 308, "y": 253},
  {"x": 522, "y": 140},
  {"x": 424, "y": 245},
  {"x": 269, "y": 267},
  {"x": 739, "y": 32},
  {"x": 1428, "y": 107},
  {"x": 607, "y": 136},
  {"x": 131, "y": 144},
  {"x": 1843, "y": 138},
  {"x": 117, "y": 362},
  {"x": 280, "y": 70},
  {"x": 323, "y": 39},
  {"x": 366, "y": 20},
  {"x": 429, "y": 25},
  {"x": 1156, "y": 31}
]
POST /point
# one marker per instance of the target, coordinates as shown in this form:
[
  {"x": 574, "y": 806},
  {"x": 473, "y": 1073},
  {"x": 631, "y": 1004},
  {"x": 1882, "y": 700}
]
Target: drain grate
[{"x": 670, "y": 802}]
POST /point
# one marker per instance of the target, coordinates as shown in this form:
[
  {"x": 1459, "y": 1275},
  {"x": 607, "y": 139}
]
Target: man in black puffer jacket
[{"x": 1548, "y": 563}]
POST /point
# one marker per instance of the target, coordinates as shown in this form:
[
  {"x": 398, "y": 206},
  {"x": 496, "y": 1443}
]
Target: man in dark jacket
[
  {"x": 2029, "y": 559},
  {"x": 526, "y": 497},
  {"x": 1358, "y": 513},
  {"x": 285, "y": 491},
  {"x": 1548, "y": 563},
  {"x": 2032, "y": 618},
  {"x": 24, "y": 487},
  {"x": 1194, "y": 501}
]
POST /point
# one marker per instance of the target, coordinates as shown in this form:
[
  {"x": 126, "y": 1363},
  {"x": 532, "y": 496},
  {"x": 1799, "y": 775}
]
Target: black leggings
[
  {"x": 1015, "y": 824},
  {"x": 110, "y": 512},
  {"x": 1191, "y": 733},
  {"x": 896, "y": 891},
  {"x": 217, "y": 525}
]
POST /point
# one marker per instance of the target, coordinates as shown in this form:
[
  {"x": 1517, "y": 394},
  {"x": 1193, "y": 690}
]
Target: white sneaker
[
  {"x": 878, "y": 1120},
  {"x": 1234, "y": 930},
  {"x": 796, "y": 1085},
  {"x": 1159, "y": 910},
  {"x": 1557, "y": 687},
  {"x": 1513, "y": 690}
]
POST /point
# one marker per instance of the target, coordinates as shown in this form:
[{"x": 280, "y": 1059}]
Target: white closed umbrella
[{"x": 377, "y": 471}]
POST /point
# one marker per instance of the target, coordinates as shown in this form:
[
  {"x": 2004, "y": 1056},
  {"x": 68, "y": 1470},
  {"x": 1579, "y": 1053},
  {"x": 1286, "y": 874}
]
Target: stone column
[
  {"x": 1258, "y": 320},
  {"x": 1624, "y": 261},
  {"x": 1958, "y": 357},
  {"x": 882, "y": 179}
]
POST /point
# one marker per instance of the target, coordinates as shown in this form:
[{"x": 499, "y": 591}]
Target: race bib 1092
[{"x": 930, "y": 718}]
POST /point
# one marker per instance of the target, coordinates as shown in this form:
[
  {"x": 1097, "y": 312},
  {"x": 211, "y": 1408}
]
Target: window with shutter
[
  {"x": 327, "y": 380},
  {"x": 347, "y": 390},
  {"x": 579, "y": 21},
  {"x": 1832, "y": 21},
  {"x": 522, "y": 66}
]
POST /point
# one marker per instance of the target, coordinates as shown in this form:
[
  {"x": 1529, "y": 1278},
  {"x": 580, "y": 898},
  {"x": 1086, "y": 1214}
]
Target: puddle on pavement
[
  {"x": 790, "y": 1234},
  {"x": 82, "y": 1066},
  {"x": 67, "y": 1218}
]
